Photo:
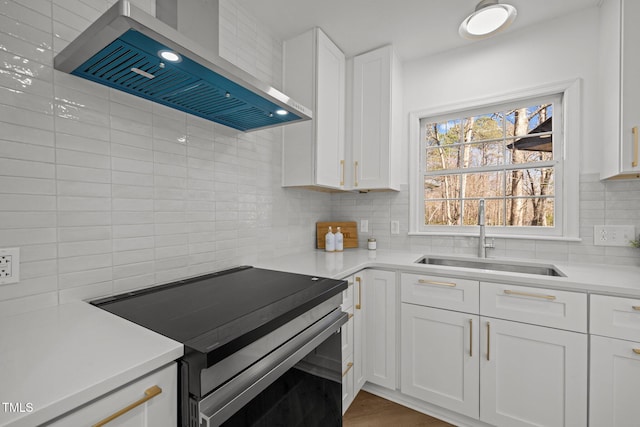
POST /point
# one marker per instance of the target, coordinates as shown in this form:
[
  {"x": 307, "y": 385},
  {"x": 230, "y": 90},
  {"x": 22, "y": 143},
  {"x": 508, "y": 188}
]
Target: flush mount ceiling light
[{"x": 489, "y": 18}]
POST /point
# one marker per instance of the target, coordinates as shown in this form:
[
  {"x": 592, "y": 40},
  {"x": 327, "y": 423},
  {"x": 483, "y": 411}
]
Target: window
[{"x": 511, "y": 154}]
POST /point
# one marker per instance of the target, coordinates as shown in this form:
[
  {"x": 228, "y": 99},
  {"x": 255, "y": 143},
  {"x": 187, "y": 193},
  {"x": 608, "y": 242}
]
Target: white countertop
[
  {"x": 61, "y": 357},
  {"x": 607, "y": 279}
]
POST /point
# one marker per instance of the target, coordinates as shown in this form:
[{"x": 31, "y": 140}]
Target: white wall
[
  {"x": 564, "y": 49},
  {"x": 104, "y": 192}
]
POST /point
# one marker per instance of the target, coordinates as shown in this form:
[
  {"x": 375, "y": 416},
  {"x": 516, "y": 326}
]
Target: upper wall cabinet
[
  {"x": 314, "y": 74},
  {"x": 619, "y": 73},
  {"x": 377, "y": 120}
]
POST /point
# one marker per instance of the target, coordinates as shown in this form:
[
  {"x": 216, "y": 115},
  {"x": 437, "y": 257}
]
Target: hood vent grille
[
  {"x": 130, "y": 62},
  {"x": 183, "y": 86}
]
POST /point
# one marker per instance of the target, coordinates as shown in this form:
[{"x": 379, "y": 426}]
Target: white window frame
[{"x": 567, "y": 158}]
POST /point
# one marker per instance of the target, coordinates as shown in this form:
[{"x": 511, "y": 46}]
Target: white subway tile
[
  {"x": 84, "y": 174},
  {"x": 81, "y": 219},
  {"x": 69, "y": 203},
  {"x": 86, "y": 292},
  {"x": 27, "y": 304}
]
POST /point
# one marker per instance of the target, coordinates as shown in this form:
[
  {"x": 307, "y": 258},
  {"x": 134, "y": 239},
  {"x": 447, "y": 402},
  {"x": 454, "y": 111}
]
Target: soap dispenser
[
  {"x": 339, "y": 241},
  {"x": 330, "y": 241}
]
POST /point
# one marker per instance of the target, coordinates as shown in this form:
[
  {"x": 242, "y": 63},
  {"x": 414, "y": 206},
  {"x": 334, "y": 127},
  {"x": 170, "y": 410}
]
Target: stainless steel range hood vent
[{"x": 123, "y": 49}]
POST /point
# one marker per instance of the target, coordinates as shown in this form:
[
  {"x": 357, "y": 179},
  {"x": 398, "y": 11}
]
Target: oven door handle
[{"x": 228, "y": 399}]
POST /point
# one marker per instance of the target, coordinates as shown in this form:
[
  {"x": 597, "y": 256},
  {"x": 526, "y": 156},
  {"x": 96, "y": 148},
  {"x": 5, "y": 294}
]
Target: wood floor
[{"x": 368, "y": 410}]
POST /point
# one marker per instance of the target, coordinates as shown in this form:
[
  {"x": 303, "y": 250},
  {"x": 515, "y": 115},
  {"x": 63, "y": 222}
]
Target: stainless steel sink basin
[{"x": 496, "y": 265}]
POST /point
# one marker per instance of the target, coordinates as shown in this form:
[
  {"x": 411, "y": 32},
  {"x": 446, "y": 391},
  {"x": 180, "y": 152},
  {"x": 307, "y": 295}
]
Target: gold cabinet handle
[
  {"x": 349, "y": 366},
  {"x": 355, "y": 168},
  {"x": 433, "y": 282},
  {"x": 149, "y": 394},
  {"x": 634, "y": 162},
  {"x": 470, "y": 337},
  {"x": 359, "y": 304},
  {"x": 636, "y": 307},
  {"x": 529, "y": 294},
  {"x": 342, "y": 172},
  {"x": 350, "y": 315},
  {"x": 636, "y": 350},
  {"x": 488, "y": 341}
]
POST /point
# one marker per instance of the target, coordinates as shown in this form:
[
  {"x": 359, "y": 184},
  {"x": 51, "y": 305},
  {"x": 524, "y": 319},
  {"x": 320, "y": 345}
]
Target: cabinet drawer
[
  {"x": 161, "y": 410},
  {"x": 615, "y": 317},
  {"x": 440, "y": 292},
  {"x": 347, "y": 383},
  {"x": 545, "y": 307},
  {"x": 347, "y": 336},
  {"x": 347, "y": 294}
]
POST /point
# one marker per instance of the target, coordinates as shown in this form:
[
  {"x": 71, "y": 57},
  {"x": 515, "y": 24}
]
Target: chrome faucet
[{"x": 482, "y": 244}]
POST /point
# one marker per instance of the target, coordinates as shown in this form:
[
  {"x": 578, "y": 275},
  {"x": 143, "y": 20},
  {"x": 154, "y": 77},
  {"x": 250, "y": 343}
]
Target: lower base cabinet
[
  {"x": 615, "y": 372},
  {"x": 439, "y": 358},
  {"x": 532, "y": 375},
  {"x": 503, "y": 373},
  {"x": 160, "y": 410}
]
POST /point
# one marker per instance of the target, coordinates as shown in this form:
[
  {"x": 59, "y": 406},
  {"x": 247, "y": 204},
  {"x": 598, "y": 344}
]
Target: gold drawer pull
[
  {"x": 636, "y": 307},
  {"x": 488, "y": 341},
  {"x": 529, "y": 294},
  {"x": 636, "y": 350},
  {"x": 359, "y": 304},
  {"x": 433, "y": 282},
  {"x": 349, "y": 366},
  {"x": 342, "y": 172},
  {"x": 149, "y": 394},
  {"x": 350, "y": 315},
  {"x": 470, "y": 337}
]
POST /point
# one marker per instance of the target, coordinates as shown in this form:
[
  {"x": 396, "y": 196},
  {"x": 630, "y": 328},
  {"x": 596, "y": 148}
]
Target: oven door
[{"x": 299, "y": 383}]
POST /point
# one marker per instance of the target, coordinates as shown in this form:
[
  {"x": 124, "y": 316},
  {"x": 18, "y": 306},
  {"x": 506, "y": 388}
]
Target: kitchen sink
[{"x": 493, "y": 264}]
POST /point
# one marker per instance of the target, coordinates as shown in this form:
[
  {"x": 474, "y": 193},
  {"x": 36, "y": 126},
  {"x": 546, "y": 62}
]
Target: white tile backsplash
[
  {"x": 105, "y": 192},
  {"x": 612, "y": 202}
]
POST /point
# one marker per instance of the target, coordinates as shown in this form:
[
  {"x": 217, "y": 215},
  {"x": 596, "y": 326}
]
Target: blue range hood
[{"x": 122, "y": 50}]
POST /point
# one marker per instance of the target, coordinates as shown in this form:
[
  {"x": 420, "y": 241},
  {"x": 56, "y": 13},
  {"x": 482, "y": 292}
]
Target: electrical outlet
[
  {"x": 613, "y": 235},
  {"x": 364, "y": 225},
  {"x": 395, "y": 227},
  {"x": 9, "y": 266}
]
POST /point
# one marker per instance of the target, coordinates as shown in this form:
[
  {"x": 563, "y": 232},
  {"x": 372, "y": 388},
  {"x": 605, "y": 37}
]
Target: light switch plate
[
  {"x": 395, "y": 227},
  {"x": 9, "y": 266},
  {"x": 364, "y": 225}
]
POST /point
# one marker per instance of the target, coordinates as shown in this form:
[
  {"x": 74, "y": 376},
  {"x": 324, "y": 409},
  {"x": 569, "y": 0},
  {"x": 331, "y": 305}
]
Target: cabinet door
[
  {"x": 373, "y": 131},
  {"x": 329, "y": 114},
  {"x": 159, "y": 411},
  {"x": 615, "y": 374},
  {"x": 629, "y": 161},
  {"x": 532, "y": 375},
  {"x": 379, "y": 305},
  {"x": 358, "y": 335},
  {"x": 440, "y": 360}
]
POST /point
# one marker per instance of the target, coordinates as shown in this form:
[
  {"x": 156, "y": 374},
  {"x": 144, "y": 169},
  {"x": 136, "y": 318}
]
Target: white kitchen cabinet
[
  {"x": 379, "y": 305},
  {"x": 532, "y": 375},
  {"x": 619, "y": 70},
  {"x": 615, "y": 374},
  {"x": 615, "y": 361},
  {"x": 358, "y": 335},
  {"x": 377, "y": 121},
  {"x": 314, "y": 75},
  {"x": 347, "y": 335},
  {"x": 522, "y": 361},
  {"x": 440, "y": 357},
  {"x": 157, "y": 410}
]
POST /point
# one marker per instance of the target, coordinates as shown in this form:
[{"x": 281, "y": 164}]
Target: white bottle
[
  {"x": 339, "y": 241},
  {"x": 329, "y": 241}
]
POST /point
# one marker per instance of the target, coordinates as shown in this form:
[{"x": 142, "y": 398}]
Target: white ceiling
[{"x": 416, "y": 28}]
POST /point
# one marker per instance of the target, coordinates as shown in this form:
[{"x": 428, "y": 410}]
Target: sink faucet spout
[{"x": 482, "y": 244}]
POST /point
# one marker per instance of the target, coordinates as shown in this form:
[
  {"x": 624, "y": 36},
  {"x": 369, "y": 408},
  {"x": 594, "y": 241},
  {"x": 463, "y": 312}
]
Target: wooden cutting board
[{"x": 348, "y": 229}]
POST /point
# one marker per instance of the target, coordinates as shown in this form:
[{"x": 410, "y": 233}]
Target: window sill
[{"x": 497, "y": 236}]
